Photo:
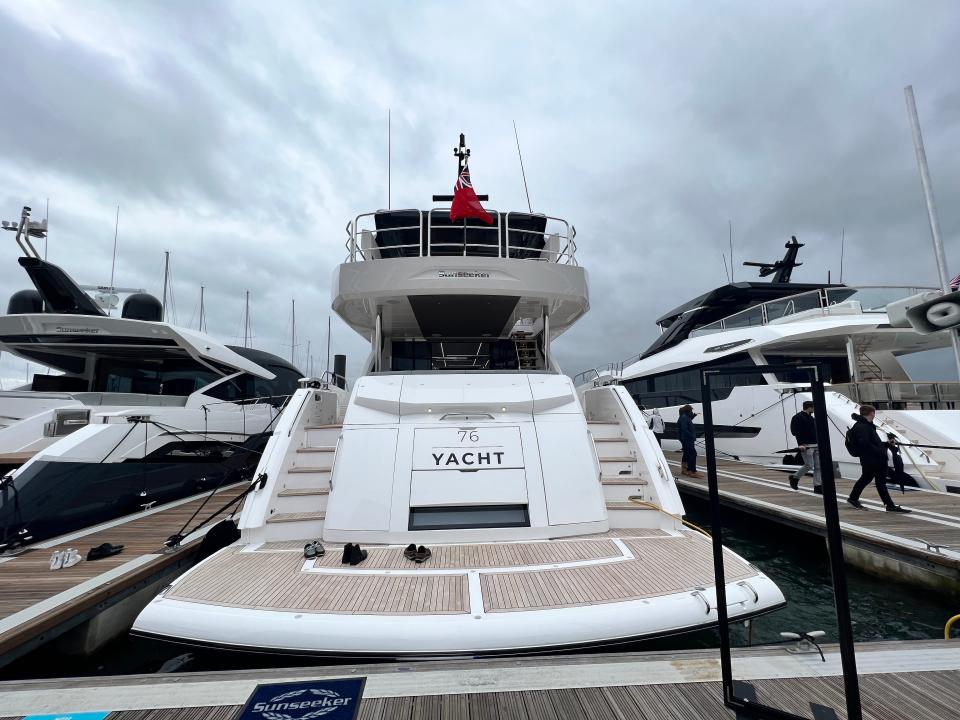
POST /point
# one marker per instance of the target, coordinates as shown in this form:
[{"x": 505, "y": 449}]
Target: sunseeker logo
[
  {"x": 77, "y": 330},
  {"x": 328, "y": 699},
  {"x": 462, "y": 274}
]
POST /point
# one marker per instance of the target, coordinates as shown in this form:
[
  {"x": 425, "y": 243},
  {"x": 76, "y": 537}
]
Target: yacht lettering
[
  {"x": 78, "y": 330},
  {"x": 470, "y": 457},
  {"x": 462, "y": 274}
]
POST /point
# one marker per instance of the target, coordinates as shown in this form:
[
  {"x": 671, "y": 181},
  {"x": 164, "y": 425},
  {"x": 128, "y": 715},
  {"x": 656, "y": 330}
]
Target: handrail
[
  {"x": 625, "y": 410},
  {"x": 949, "y": 626}
]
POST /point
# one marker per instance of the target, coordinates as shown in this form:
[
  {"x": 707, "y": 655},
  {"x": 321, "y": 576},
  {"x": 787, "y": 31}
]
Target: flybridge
[{"x": 464, "y": 228}]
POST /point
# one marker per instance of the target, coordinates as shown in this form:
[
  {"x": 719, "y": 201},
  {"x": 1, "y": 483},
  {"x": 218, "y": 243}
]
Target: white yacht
[
  {"x": 783, "y": 322},
  {"x": 494, "y": 512},
  {"x": 134, "y": 411}
]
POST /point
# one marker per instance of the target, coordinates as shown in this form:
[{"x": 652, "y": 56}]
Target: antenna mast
[
  {"x": 730, "y": 228},
  {"x": 47, "y": 221},
  {"x": 166, "y": 280},
  {"x": 843, "y": 237},
  {"x": 246, "y": 321},
  {"x": 522, "y": 172},
  {"x": 389, "y": 154},
  {"x": 200, "y": 328},
  {"x": 113, "y": 262},
  {"x": 328, "y": 346},
  {"x": 293, "y": 329}
]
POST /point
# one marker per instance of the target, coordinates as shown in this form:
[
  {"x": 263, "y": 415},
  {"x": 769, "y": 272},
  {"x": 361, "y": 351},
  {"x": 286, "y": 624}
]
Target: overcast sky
[{"x": 243, "y": 136}]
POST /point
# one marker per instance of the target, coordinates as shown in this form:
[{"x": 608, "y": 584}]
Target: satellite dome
[
  {"x": 25, "y": 302},
  {"x": 142, "y": 306}
]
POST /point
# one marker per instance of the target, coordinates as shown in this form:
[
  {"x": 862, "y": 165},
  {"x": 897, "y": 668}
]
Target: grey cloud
[{"x": 242, "y": 137}]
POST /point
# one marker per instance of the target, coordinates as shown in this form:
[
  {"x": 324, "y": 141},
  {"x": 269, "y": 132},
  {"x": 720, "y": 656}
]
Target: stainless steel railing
[{"x": 429, "y": 235}]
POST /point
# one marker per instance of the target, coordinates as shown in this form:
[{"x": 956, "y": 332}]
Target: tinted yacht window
[
  {"x": 683, "y": 386},
  {"x": 151, "y": 377}
]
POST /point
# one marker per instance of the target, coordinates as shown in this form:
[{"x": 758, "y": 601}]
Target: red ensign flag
[{"x": 465, "y": 202}]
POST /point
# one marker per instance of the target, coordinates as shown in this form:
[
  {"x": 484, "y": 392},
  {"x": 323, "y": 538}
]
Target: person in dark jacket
[
  {"x": 688, "y": 440},
  {"x": 896, "y": 472},
  {"x": 872, "y": 452},
  {"x": 804, "y": 429}
]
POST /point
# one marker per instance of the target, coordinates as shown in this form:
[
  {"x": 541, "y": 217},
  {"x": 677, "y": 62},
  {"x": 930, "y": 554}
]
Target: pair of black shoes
[
  {"x": 353, "y": 554},
  {"x": 417, "y": 554},
  {"x": 103, "y": 551}
]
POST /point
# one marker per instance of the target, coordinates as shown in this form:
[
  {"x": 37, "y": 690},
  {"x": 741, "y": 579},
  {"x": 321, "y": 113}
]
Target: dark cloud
[{"x": 242, "y": 137}]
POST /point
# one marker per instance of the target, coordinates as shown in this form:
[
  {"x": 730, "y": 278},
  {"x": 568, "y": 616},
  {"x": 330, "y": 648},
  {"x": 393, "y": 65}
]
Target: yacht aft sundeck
[
  {"x": 142, "y": 412},
  {"x": 781, "y": 322},
  {"x": 550, "y": 523}
]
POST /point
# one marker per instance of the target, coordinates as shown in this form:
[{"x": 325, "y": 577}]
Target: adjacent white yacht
[
  {"x": 494, "y": 512},
  {"x": 783, "y": 322},
  {"x": 134, "y": 411}
]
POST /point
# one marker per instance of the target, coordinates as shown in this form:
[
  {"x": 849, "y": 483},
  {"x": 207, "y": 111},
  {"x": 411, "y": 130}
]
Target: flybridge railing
[
  {"x": 868, "y": 299},
  {"x": 389, "y": 234}
]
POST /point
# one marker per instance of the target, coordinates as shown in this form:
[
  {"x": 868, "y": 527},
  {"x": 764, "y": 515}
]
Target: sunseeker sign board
[{"x": 327, "y": 699}]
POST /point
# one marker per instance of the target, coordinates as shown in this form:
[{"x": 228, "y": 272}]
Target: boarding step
[
  {"x": 304, "y": 492},
  {"x": 603, "y": 422},
  {"x": 623, "y": 481},
  {"x": 299, "y": 470},
  {"x": 316, "y": 449},
  {"x": 606, "y": 431},
  {"x": 316, "y": 479},
  {"x": 624, "y": 514},
  {"x": 322, "y": 427},
  {"x": 610, "y": 439},
  {"x": 295, "y": 517}
]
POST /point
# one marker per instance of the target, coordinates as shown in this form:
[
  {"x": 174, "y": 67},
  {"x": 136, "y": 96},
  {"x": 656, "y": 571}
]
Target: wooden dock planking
[
  {"x": 677, "y": 685},
  {"x": 766, "y": 492},
  {"x": 27, "y": 580}
]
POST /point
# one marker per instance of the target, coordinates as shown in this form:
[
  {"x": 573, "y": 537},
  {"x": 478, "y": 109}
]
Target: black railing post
[
  {"x": 716, "y": 531},
  {"x": 745, "y": 703},
  {"x": 838, "y": 569}
]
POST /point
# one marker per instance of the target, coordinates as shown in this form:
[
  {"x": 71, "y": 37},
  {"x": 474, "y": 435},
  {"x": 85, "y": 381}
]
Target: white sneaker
[
  {"x": 71, "y": 558},
  {"x": 56, "y": 560}
]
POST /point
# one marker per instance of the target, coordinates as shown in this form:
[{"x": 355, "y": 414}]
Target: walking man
[
  {"x": 688, "y": 440},
  {"x": 864, "y": 442},
  {"x": 804, "y": 429},
  {"x": 657, "y": 426}
]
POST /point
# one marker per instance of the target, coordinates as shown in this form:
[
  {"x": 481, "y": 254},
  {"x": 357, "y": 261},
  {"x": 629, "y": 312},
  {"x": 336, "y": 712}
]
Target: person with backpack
[
  {"x": 804, "y": 429},
  {"x": 657, "y": 426},
  {"x": 688, "y": 440},
  {"x": 863, "y": 442}
]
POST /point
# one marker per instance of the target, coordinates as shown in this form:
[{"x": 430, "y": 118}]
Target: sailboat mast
[
  {"x": 113, "y": 262},
  {"x": 166, "y": 280},
  {"x": 293, "y": 330},
  {"x": 246, "y": 321}
]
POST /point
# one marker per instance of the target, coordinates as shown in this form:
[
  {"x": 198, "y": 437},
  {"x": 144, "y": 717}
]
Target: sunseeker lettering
[
  {"x": 78, "y": 330},
  {"x": 468, "y": 458},
  {"x": 462, "y": 274}
]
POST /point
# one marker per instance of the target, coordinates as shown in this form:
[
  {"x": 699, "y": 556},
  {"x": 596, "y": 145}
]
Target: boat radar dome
[
  {"x": 142, "y": 306},
  {"x": 25, "y": 302}
]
